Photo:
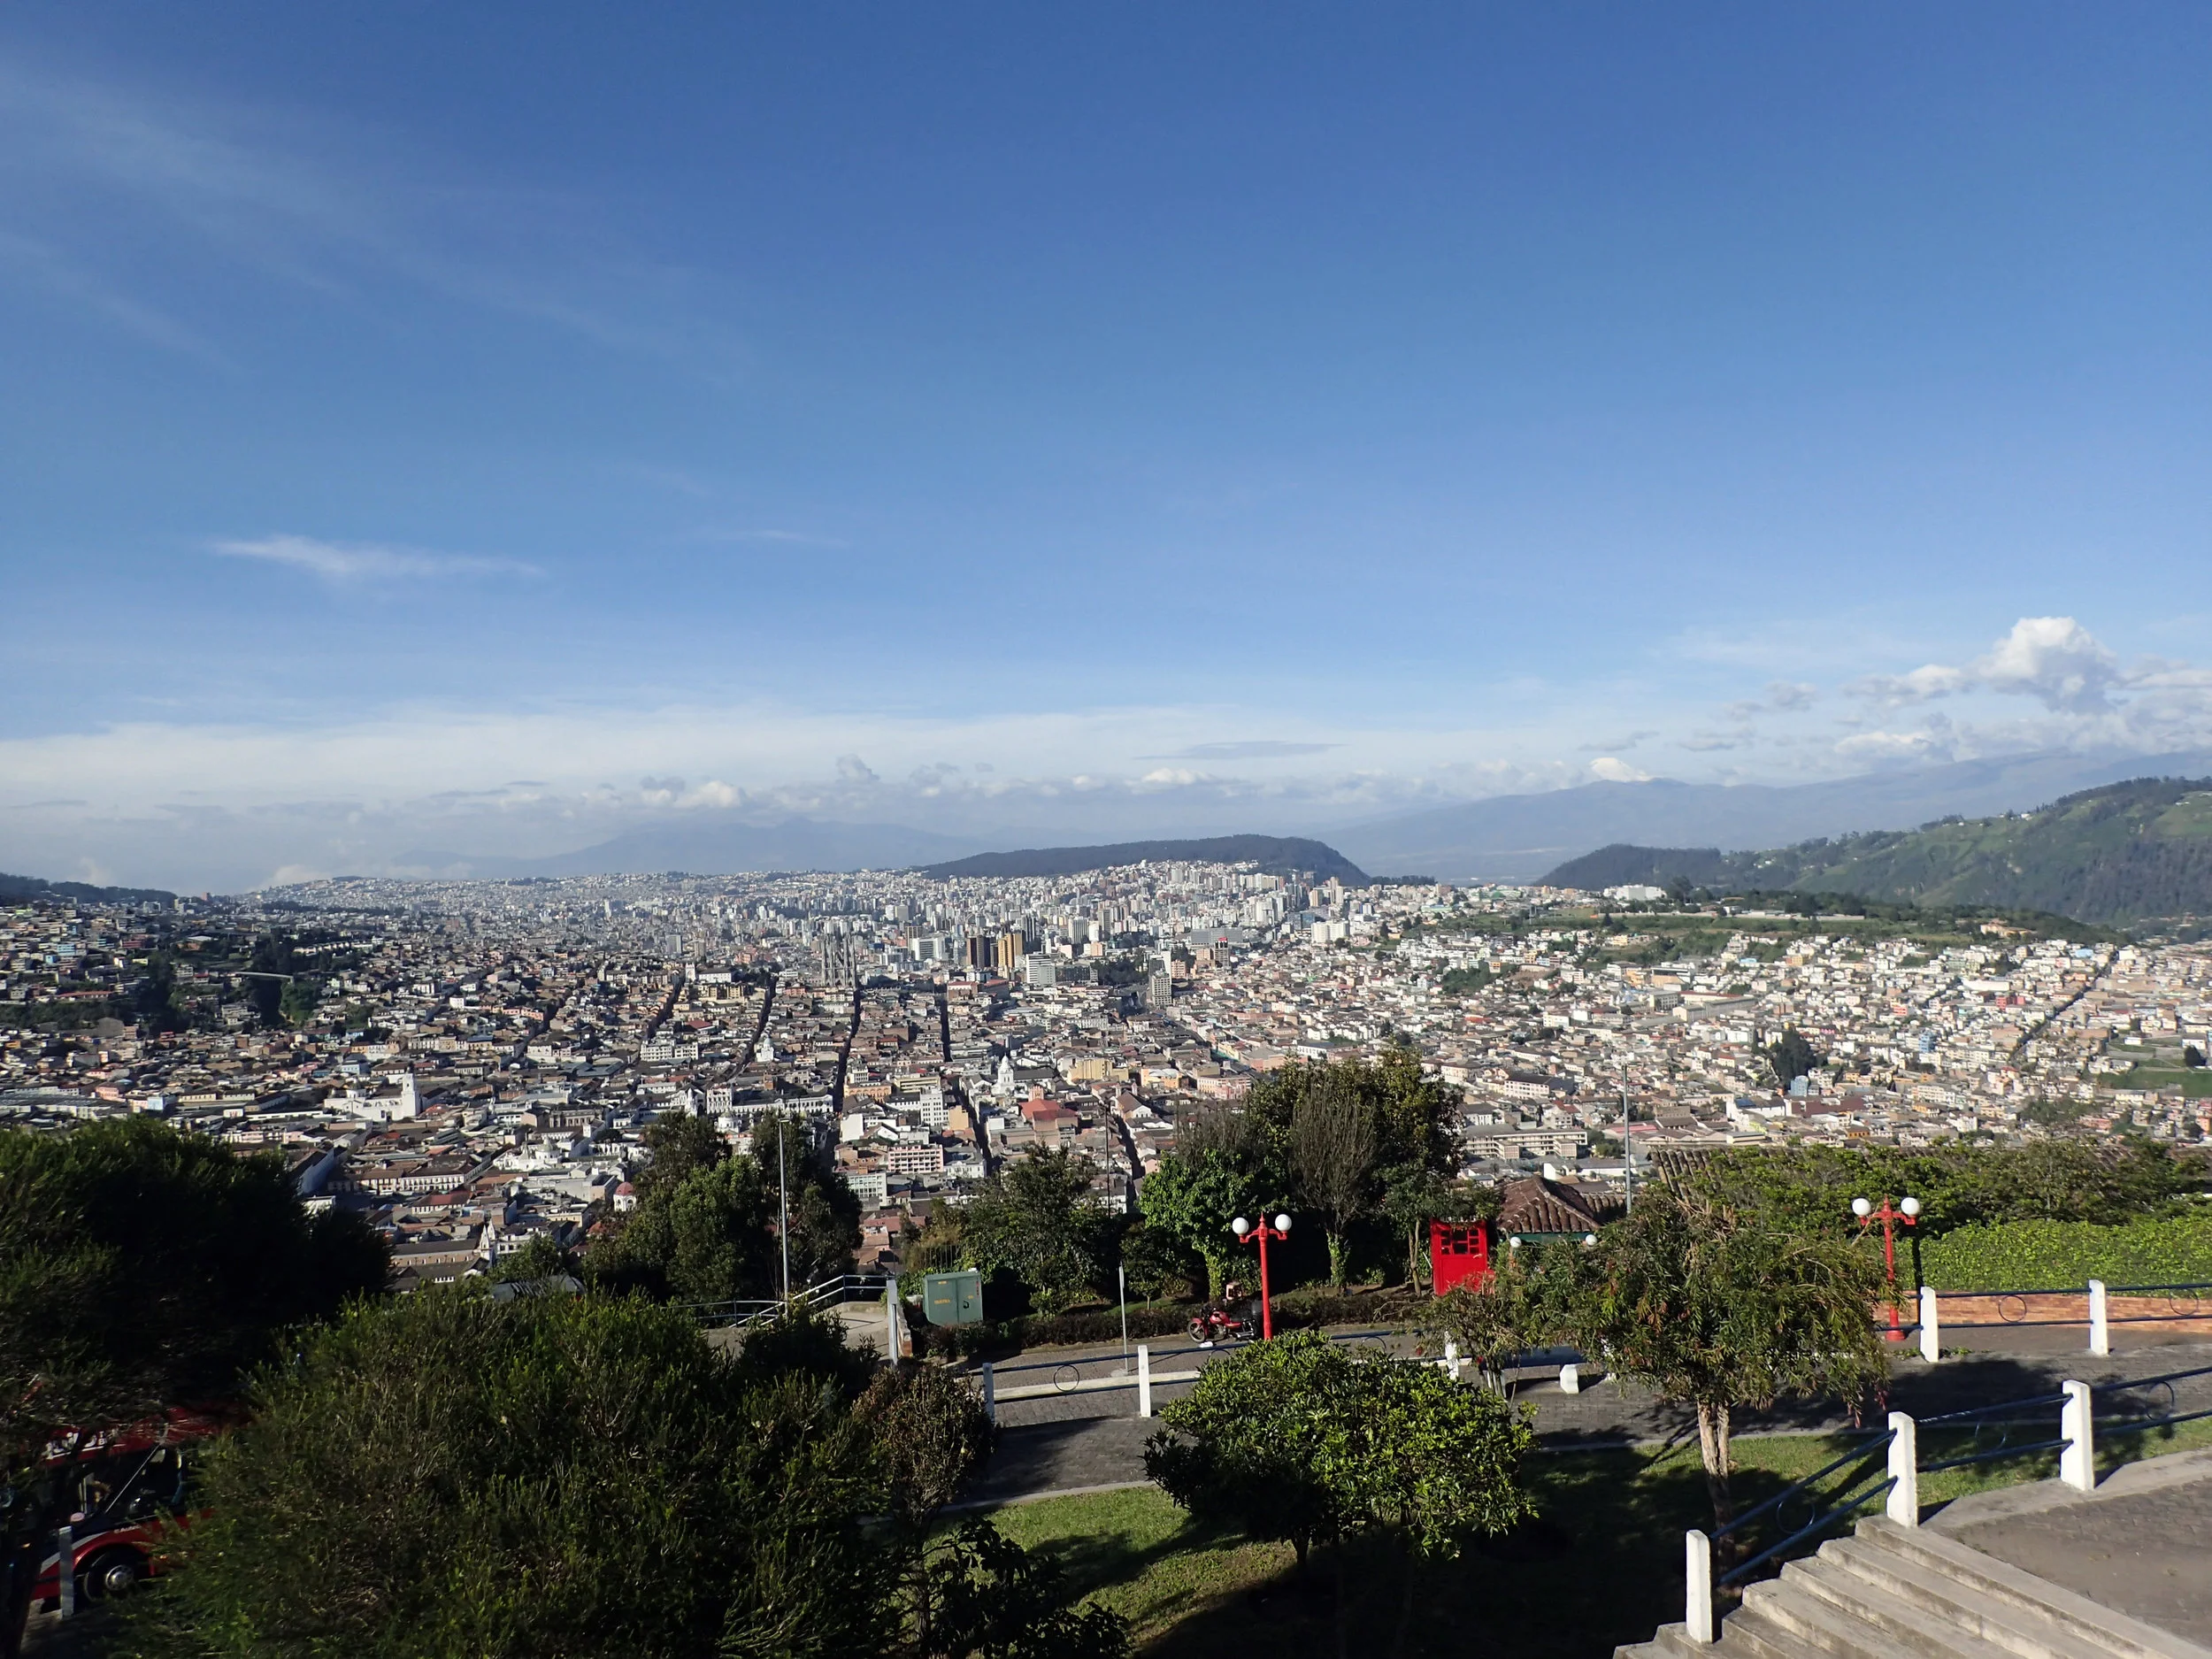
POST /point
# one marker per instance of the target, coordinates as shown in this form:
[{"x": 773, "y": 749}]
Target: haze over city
[{"x": 437, "y": 433}]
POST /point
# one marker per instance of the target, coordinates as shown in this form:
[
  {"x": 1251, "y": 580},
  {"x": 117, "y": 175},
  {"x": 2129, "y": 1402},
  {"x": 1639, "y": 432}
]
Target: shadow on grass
[{"x": 1600, "y": 1566}]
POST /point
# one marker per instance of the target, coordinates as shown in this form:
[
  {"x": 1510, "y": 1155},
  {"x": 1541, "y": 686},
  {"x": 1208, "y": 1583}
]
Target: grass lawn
[{"x": 1601, "y": 1566}]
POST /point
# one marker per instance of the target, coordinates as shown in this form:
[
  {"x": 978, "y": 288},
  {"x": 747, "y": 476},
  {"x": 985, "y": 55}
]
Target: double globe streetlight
[
  {"x": 1248, "y": 1233},
  {"x": 1907, "y": 1211}
]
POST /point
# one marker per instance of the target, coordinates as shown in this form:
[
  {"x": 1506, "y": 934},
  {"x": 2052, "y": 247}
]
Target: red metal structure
[
  {"x": 1260, "y": 1233},
  {"x": 1889, "y": 1216},
  {"x": 1459, "y": 1254}
]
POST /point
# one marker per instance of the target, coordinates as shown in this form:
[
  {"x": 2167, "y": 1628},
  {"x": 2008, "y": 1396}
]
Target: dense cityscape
[{"x": 473, "y": 1064}]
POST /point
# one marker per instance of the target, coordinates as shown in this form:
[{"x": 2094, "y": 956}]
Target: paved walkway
[
  {"x": 1078, "y": 1440},
  {"x": 2142, "y": 1543}
]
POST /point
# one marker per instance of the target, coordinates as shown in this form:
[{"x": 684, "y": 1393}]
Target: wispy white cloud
[
  {"x": 339, "y": 562},
  {"x": 1248, "y": 748},
  {"x": 307, "y": 202},
  {"x": 54, "y": 271}
]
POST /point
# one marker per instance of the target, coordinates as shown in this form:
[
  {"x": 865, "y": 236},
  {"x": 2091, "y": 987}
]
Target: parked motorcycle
[{"x": 1218, "y": 1323}]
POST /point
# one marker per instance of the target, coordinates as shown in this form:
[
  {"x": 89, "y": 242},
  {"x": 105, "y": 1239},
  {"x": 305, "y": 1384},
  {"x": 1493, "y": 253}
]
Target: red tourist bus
[{"x": 126, "y": 1492}]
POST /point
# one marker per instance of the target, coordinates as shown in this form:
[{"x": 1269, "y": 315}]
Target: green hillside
[{"x": 2127, "y": 854}]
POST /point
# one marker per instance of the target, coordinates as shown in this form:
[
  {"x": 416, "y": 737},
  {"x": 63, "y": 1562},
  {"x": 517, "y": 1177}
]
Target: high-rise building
[{"x": 1013, "y": 947}]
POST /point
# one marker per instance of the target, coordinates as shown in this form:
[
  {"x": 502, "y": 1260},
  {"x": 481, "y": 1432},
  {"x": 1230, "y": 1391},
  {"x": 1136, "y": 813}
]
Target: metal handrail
[
  {"x": 2124, "y": 1385},
  {"x": 1995, "y": 1453},
  {"x": 1807, "y": 1530},
  {"x": 1880, "y": 1438},
  {"x": 2001, "y": 1405}
]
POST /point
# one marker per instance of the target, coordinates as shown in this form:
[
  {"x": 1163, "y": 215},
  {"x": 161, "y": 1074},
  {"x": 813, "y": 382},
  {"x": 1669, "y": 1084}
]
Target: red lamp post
[
  {"x": 1907, "y": 1211},
  {"x": 1262, "y": 1234}
]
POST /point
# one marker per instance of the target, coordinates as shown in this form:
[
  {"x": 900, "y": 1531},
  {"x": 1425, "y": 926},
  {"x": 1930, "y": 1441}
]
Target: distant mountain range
[
  {"x": 13, "y": 888},
  {"x": 2127, "y": 853},
  {"x": 712, "y": 844},
  {"x": 1275, "y": 855},
  {"x": 1518, "y": 838}
]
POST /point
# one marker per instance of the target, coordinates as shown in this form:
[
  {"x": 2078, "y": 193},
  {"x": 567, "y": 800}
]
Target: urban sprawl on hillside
[{"x": 473, "y": 1063}]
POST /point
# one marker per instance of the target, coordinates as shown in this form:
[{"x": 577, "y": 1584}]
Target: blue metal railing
[
  {"x": 2137, "y": 1424},
  {"x": 1840, "y": 1505}
]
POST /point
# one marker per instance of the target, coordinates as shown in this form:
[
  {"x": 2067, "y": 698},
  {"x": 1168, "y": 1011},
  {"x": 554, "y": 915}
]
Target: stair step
[
  {"x": 2004, "y": 1626},
  {"x": 1832, "y": 1627},
  {"x": 1785, "y": 1624},
  {"x": 2102, "y": 1630},
  {"x": 1916, "y": 1623}
]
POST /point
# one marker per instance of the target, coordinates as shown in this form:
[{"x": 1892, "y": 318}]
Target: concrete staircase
[{"x": 1892, "y": 1590}]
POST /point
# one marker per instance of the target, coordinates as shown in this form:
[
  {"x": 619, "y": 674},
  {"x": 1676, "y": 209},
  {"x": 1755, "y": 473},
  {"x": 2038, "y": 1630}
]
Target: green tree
[
  {"x": 1036, "y": 1218},
  {"x": 704, "y": 1228},
  {"x": 708, "y": 1237},
  {"x": 449, "y": 1475},
  {"x": 1811, "y": 1187},
  {"x": 154, "y": 1003},
  {"x": 1299, "y": 1440},
  {"x": 678, "y": 1144},
  {"x": 540, "y": 1258},
  {"x": 272, "y": 954},
  {"x": 297, "y": 1003},
  {"x": 1153, "y": 1258},
  {"x": 142, "y": 1267},
  {"x": 1194, "y": 1196},
  {"x": 1723, "y": 1309},
  {"x": 822, "y": 1209},
  {"x": 1335, "y": 1142},
  {"x": 1792, "y": 1058}
]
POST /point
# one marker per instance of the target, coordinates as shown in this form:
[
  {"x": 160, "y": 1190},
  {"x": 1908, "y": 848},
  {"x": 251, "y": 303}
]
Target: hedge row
[{"x": 2059, "y": 1255}]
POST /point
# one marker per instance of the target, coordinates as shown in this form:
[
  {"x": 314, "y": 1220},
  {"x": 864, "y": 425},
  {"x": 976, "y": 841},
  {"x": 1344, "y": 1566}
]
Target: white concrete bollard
[
  {"x": 1697, "y": 1584},
  {"x": 1904, "y": 1468},
  {"x": 2100, "y": 1323},
  {"x": 1930, "y": 1326},
  {"x": 2078, "y": 1463},
  {"x": 1571, "y": 1379},
  {"x": 1144, "y": 1380},
  {"x": 990, "y": 1393}
]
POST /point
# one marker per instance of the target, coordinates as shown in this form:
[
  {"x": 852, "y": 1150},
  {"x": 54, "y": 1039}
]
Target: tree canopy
[
  {"x": 1345, "y": 1142},
  {"x": 1034, "y": 1217},
  {"x": 1703, "y": 1301},
  {"x": 447, "y": 1476},
  {"x": 142, "y": 1267},
  {"x": 704, "y": 1228},
  {"x": 1299, "y": 1440}
]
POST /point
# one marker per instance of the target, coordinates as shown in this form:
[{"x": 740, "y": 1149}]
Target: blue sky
[{"x": 492, "y": 422}]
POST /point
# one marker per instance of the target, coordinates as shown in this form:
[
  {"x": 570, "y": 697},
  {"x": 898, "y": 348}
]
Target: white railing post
[
  {"x": 2078, "y": 1463},
  {"x": 990, "y": 1393},
  {"x": 1697, "y": 1578},
  {"x": 1930, "y": 1326},
  {"x": 1144, "y": 1380},
  {"x": 1904, "y": 1468},
  {"x": 1451, "y": 1357},
  {"x": 2100, "y": 1325}
]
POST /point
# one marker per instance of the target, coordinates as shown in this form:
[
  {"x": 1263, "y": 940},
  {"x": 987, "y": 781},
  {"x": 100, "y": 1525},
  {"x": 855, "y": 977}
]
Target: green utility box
[{"x": 953, "y": 1298}]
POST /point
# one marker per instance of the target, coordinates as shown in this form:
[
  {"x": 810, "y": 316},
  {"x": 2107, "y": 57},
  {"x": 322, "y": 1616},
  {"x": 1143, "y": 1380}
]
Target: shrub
[{"x": 2062, "y": 1255}]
